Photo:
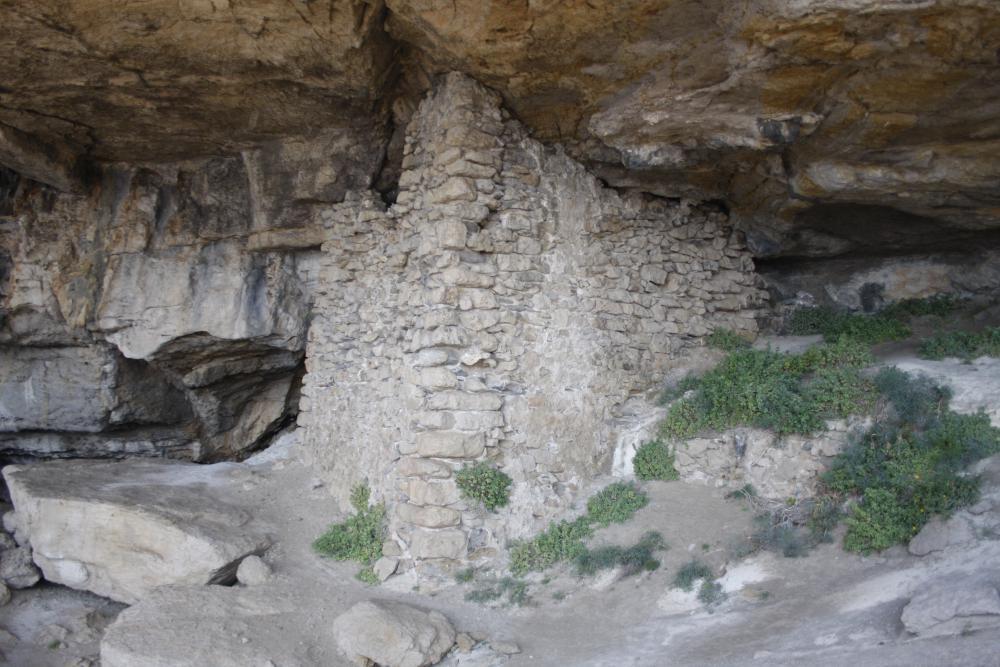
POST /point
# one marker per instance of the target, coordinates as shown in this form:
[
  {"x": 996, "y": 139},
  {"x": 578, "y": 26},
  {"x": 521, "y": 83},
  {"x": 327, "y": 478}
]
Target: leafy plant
[
  {"x": 615, "y": 503},
  {"x": 633, "y": 559},
  {"x": 654, "y": 460},
  {"x": 710, "y": 592},
  {"x": 962, "y": 344},
  {"x": 727, "y": 340},
  {"x": 690, "y": 573},
  {"x": 515, "y": 590},
  {"x": 359, "y": 538},
  {"x": 833, "y": 324},
  {"x": 484, "y": 483},
  {"x": 563, "y": 540},
  {"x": 784, "y": 392},
  {"x": 908, "y": 467},
  {"x": 938, "y": 305}
]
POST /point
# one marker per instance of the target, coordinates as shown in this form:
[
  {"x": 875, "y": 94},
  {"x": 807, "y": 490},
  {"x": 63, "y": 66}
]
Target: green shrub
[
  {"x": 516, "y": 591},
  {"x": 727, "y": 341},
  {"x": 633, "y": 559},
  {"x": 962, "y": 344},
  {"x": 654, "y": 460},
  {"x": 834, "y": 324},
  {"x": 908, "y": 467},
  {"x": 939, "y": 305},
  {"x": 615, "y": 503},
  {"x": 710, "y": 592},
  {"x": 359, "y": 538},
  {"x": 783, "y": 392},
  {"x": 484, "y": 483},
  {"x": 561, "y": 541},
  {"x": 879, "y": 522},
  {"x": 690, "y": 573}
]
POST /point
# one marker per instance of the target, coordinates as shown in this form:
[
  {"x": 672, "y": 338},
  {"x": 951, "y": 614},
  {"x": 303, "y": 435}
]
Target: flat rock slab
[
  {"x": 122, "y": 529},
  {"x": 222, "y": 627}
]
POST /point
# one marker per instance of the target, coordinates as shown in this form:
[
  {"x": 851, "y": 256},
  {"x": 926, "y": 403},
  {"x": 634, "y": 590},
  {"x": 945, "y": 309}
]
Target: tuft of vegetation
[
  {"x": 962, "y": 344},
  {"x": 359, "y": 538},
  {"x": 515, "y": 590},
  {"x": 563, "y": 540},
  {"x": 465, "y": 576},
  {"x": 710, "y": 592},
  {"x": 560, "y": 542},
  {"x": 833, "y": 324},
  {"x": 654, "y": 460},
  {"x": 484, "y": 483},
  {"x": 938, "y": 305},
  {"x": 634, "y": 559},
  {"x": 909, "y": 466},
  {"x": 690, "y": 573},
  {"x": 784, "y": 392},
  {"x": 727, "y": 340},
  {"x": 615, "y": 503}
]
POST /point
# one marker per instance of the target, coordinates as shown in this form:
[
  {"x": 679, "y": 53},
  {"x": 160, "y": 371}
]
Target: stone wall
[{"x": 505, "y": 308}]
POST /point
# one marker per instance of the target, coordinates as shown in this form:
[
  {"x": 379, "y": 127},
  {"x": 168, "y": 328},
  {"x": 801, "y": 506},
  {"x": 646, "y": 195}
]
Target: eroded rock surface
[
  {"x": 122, "y": 529},
  {"x": 393, "y": 634}
]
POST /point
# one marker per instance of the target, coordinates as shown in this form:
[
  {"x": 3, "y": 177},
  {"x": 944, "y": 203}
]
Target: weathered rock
[
  {"x": 17, "y": 569},
  {"x": 952, "y": 607},
  {"x": 122, "y": 529},
  {"x": 253, "y": 571},
  {"x": 393, "y": 634},
  {"x": 940, "y": 533}
]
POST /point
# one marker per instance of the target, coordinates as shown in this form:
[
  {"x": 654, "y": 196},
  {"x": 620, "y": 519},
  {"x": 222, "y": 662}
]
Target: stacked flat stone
[{"x": 503, "y": 309}]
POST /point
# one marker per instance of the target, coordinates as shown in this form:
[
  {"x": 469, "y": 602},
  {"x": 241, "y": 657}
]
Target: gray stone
[
  {"x": 951, "y": 607},
  {"x": 938, "y": 534},
  {"x": 253, "y": 571},
  {"x": 385, "y": 567},
  {"x": 124, "y": 528},
  {"x": 17, "y": 569},
  {"x": 393, "y": 634}
]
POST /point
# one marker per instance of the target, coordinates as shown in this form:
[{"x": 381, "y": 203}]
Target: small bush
[
  {"x": 690, "y": 573},
  {"x": 962, "y": 344},
  {"x": 879, "y": 522},
  {"x": 783, "y": 392},
  {"x": 615, "y": 503},
  {"x": 515, "y": 590},
  {"x": 484, "y": 483},
  {"x": 466, "y": 575},
  {"x": 562, "y": 541},
  {"x": 834, "y": 324},
  {"x": 359, "y": 538},
  {"x": 711, "y": 592},
  {"x": 938, "y": 305},
  {"x": 633, "y": 560},
  {"x": 654, "y": 460},
  {"x": 727, "y": 341}
]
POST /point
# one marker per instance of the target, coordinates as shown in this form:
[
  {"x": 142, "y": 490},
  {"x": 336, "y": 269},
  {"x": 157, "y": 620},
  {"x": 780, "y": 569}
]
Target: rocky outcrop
[
  {"x": 393, "y": 634},
  {"x": 829, "y": 126},
  {"x": 122, "y": 529},
  {"x": 952, "y": 608}
]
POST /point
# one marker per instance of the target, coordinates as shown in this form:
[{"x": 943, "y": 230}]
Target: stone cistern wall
[{"x": 505, "y": 308}]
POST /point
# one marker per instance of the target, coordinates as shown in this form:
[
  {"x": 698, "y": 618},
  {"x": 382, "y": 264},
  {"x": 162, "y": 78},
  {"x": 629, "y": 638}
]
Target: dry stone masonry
[{"x": 504, "y": 308}]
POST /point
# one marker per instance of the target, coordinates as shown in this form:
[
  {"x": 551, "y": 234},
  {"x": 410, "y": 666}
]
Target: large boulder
[
  {"x": 121, "y": 529},
  {"x": 393, "y": 634},
  {"x": 953, "y": 607}
]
